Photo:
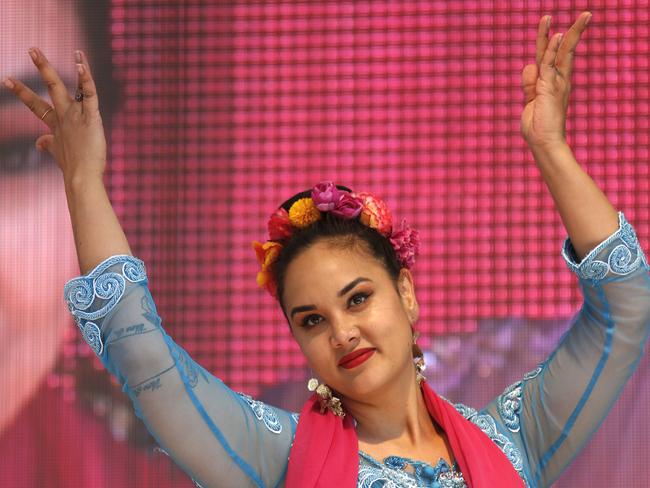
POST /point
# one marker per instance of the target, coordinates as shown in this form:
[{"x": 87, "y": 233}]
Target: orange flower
[
  {"x": 303, "y": 213},
  {"x": 265, "y": 280},
  {"x": 375, "y": 213},
  {"x": 267, "y": 254}
]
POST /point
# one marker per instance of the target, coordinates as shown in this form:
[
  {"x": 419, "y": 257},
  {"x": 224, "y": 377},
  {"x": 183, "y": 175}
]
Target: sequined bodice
[{"x": 396, "y": 471}]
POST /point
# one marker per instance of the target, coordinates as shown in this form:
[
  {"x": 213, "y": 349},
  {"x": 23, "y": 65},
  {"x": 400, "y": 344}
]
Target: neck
[{"x": 396, "y": 416}]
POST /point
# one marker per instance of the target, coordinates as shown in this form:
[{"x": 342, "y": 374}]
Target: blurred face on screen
[{"x": 37, "y": 251}]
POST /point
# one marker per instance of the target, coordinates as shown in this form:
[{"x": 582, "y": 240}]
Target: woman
[{"x": 340, "y": 271}]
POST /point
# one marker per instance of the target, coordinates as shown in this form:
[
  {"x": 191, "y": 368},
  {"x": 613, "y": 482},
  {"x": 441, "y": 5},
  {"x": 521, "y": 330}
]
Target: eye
[
  {"x": 359, "y": 298},
  {"x": 311, "y": 320}
]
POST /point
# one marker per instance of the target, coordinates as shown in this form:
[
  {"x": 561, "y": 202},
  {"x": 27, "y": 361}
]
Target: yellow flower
[{"x": 303, "y": 213}]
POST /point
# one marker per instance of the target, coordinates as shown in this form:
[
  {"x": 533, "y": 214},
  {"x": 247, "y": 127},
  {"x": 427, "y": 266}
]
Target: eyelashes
[
  {"x": 356, "y": 300},
  {"x": 306, "y": 321}
]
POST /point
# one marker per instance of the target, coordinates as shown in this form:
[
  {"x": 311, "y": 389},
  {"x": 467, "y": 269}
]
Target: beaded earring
[
  {"x": 325, "y": 397},
  {"x": 420, "y": 366}
]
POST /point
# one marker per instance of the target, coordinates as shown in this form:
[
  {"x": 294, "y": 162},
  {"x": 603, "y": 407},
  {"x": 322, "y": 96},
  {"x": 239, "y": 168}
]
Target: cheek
[
  {"x": 37, "y": 254},
  {"x": 317, "y": 352}
]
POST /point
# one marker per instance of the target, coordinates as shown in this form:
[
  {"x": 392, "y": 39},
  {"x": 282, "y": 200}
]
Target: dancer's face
[
  {"x": 36, "y": 244},
  {"x": 341, "y": 300}
]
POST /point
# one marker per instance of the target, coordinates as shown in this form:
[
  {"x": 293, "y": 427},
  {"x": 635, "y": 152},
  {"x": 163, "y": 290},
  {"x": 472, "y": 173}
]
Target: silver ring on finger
[
  {"x": 79, "y": 95},
  {"x": 46, "y": 112}
]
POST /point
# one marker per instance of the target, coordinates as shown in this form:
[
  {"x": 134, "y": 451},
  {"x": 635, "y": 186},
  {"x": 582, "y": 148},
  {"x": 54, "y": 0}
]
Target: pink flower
[
  {"x": 375, "y": 214},
  {"x": 348, "y": 207},
  {"x": 325, "y": 196},
  {"x": 279, "y": 225},
  {"x": 406, "y": 242}
]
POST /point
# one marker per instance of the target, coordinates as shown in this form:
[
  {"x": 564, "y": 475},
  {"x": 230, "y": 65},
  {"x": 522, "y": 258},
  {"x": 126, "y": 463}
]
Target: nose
[{"x": 344, "y": 332}]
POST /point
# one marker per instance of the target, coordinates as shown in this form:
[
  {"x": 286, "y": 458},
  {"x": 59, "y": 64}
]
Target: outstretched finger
[
  {"x": 85, "y": 84},
  {"x": 55, "y": 87},
  {"x": 547, "y": 66},
  {"x": 564, "y": 61},
  {"x": 542, "y": 37},
  {"x": 42, "y": 109}
]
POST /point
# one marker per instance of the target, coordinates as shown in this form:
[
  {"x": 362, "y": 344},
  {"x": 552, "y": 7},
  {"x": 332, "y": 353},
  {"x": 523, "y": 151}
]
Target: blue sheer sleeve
[
  {"x": 549, "y": 416},
  {"x": 217, "y": 436}
]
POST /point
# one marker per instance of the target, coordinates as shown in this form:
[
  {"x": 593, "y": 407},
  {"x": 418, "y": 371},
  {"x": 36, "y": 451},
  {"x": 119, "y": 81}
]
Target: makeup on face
[{"x": 356, "y": 358}]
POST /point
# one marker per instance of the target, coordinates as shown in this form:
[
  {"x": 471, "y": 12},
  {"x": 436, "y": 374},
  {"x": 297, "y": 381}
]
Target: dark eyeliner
[
  {"x": 304, "y": 323},
  {"x": 365, "y": 295}
]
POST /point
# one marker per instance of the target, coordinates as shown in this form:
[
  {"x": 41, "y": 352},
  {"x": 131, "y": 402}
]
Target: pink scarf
[{"x": 325, "y": 449}]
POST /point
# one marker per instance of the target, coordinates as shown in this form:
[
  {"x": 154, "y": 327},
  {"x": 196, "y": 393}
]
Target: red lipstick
[{"x": 357, "y": 357}]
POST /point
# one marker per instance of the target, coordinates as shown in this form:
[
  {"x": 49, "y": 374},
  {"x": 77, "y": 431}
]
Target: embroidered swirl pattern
[
  {"x": 622, "y": 260},
  {"x": 508, "y": 405},
  {"x": 263, "y": 413},
  {"x": 92, "y": 336},
  {"x": 391, "y": 473},
  {"x": 486, "y": 423},
  {"x": 100, "y": 290}
]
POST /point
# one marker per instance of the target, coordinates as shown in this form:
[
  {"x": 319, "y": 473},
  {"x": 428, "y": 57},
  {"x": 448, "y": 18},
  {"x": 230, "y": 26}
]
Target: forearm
[
  {"x": 97, "y": 232},
  {"x": 586, "y": 212}
]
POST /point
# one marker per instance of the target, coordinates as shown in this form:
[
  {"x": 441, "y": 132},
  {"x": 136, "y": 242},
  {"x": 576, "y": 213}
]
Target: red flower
[{"x": 279, "y": 225}]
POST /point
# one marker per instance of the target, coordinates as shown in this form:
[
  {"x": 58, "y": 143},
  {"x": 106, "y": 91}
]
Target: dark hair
[{"x": 344, "y": 233}]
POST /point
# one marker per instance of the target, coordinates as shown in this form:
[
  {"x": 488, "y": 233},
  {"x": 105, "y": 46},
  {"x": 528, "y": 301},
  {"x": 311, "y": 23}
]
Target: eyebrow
[
  {"x": 7, "y": 97},
  {"x": 343, "y": 291}
]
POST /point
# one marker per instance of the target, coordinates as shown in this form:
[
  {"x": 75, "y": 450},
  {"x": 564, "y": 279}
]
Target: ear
[{"x": 406, "y": 290}]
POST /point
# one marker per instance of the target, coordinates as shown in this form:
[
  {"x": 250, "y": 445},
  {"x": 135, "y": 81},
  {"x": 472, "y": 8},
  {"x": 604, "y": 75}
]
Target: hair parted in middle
[{"x": 336, "y": 214}]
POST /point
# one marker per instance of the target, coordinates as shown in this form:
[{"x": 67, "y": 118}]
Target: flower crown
[{"x": 327, "y": 197}]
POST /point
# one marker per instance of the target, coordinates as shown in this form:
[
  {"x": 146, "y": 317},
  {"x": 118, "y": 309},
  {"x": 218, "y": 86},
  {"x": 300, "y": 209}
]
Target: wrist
[
  {"x": 77, "y": 181},
  {"x": 549, "y": 151}
]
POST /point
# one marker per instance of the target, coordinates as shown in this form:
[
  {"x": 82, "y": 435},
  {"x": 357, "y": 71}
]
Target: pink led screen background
[{"x": 229, "y": 108}]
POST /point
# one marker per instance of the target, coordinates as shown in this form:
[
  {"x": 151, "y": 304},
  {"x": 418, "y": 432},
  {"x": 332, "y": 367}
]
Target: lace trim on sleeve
[
  {"x": 487, "y": 424},
  {"x": 263, "y": 413},
  {"x": 93, "y": 296},
  {"x": 620, "y": 254}
]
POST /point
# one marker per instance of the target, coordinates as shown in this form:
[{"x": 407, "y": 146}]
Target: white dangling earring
[
  {"x": 325, "y": 397},
  {"x": 420, "y": 365}
]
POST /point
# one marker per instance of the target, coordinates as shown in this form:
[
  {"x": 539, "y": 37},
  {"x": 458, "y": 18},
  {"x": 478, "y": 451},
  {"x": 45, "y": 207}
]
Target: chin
[{"x": 365, "y": 385}]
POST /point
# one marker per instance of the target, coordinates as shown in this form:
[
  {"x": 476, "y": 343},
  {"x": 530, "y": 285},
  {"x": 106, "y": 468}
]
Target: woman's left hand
[{"x": 547, "y": 84}]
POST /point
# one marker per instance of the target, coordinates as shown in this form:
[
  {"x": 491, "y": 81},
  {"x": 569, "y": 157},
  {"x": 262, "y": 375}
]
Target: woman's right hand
[{"x": 77, "y": 140}]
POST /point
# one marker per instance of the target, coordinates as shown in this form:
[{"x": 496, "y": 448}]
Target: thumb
[
  {"x": 529, "y": 81},
  {"x": 45, "y": 142}
]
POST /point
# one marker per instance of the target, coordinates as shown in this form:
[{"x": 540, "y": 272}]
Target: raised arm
[
  {"x": 555, "y": 410},
  {"x": 76, "y": 141},
  {"x": 219, "y": 437},
  {"x": 587, "y": 214}
]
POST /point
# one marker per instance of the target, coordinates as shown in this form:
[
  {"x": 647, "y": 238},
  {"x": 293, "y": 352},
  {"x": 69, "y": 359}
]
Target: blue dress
[{"x": 220, "y": 437}]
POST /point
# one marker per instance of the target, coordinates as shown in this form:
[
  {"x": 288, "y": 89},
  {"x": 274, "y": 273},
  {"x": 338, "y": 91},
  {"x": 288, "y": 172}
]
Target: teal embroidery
[{"x": 263, "y": 413}]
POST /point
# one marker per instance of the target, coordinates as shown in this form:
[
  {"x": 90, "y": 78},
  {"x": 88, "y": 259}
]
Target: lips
[{"x": 356, "y": 357}]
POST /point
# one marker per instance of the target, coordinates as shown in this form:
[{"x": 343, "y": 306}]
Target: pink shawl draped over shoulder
[{"x": 325, "y": 449}]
